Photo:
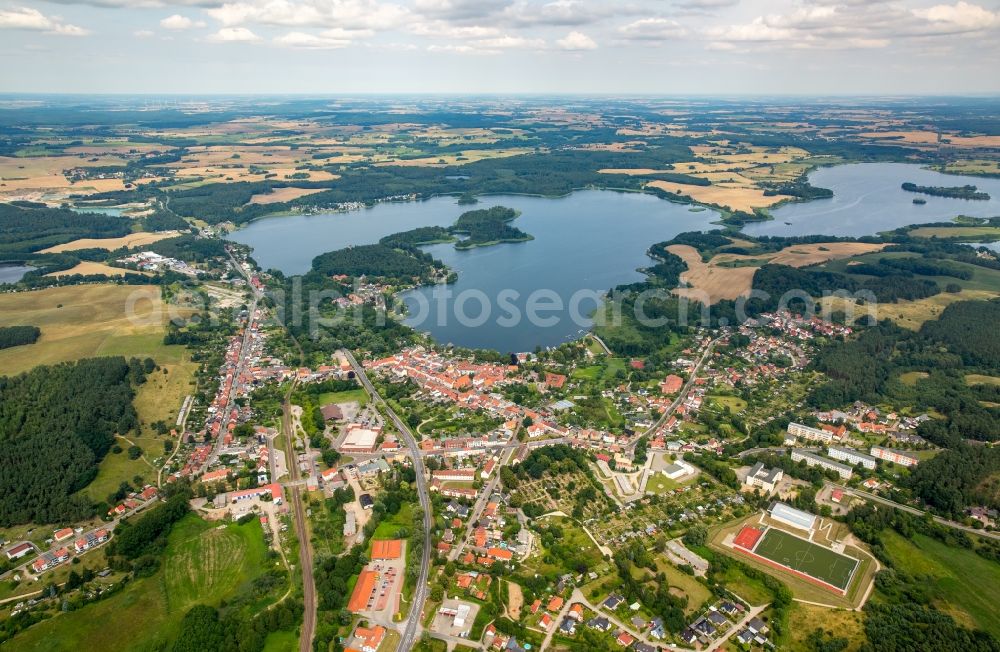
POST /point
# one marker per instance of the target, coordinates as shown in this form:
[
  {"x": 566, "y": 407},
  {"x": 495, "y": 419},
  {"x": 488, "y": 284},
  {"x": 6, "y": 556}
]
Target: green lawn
[
  {"x": 807, "y": 557},
  {"x": 202, "y": 564},
  {"x": 964, "y": 584},
  {"x": 358, "y": 395},
  {"x": 282, "y": 641}
]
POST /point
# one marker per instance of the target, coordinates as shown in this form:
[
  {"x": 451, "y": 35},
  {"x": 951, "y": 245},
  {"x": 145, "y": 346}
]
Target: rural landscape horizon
[{"x": 499, "y": 325}]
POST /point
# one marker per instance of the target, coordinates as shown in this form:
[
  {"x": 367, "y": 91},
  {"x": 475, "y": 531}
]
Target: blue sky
[{"x": 501, "y": 46}]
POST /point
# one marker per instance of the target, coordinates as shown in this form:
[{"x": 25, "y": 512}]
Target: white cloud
[
  {"x": 961, "y": 16},
  {"x": 652, "y": 29},
  {"x": 328, "y": 39},
  {"x": 576, "y": 41},
  {"x": 444, "y": 29},
  {"x": 348, "y": 14},
  {"x": 310, "y": 41},
  {"x": 850, "y": 24},
  {"x": 234, "y": 35},
  {"x": 178, "y": 22},
  {"x": 143, "y": 33},
  {"x": 31, "y": 19}
]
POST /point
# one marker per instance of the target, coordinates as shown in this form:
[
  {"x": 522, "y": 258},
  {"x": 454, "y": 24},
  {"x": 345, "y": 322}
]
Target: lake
[
  {"x": 867, "y": 198},
  {"x": 13, "y": 273},
  {"x": 585, "y": 244}
]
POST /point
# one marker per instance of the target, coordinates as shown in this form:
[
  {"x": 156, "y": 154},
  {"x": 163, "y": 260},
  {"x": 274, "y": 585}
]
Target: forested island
[
  {"x": 488, "y": 226},
  {"x": 393, "y": 262},
  {"x": 951, "y": 192}
]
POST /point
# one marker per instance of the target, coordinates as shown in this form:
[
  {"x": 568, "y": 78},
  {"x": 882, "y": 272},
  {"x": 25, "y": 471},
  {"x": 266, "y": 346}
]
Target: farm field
[
  {"x": 203, "y": 564},
  {"x": 86, "y": 321},
  {"x": 729, "y": 276},
  {"x": 90, "y": 268},
  {"x": 964, "y": 584},
  {"x": 131, "y": 240},
  {"x": 279, "y": 195}
]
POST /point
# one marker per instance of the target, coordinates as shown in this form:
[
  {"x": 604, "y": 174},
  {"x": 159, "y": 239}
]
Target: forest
[
  {"x": 18, "y": 335},
  {"x": 953, "y": 192},
  {"x": 189, "y": 248},
  {"x": 56, "y": 424},
  {"x": 378, "y": 260},
  {"x": 487, "y": 226},
  {"x": 26, "y": 230}
]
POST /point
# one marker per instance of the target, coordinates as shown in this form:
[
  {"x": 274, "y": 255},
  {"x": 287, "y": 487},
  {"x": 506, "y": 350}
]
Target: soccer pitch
[{"x": 807, "y": 557}]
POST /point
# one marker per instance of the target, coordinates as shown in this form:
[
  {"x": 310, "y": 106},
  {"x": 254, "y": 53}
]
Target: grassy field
[
  {"x": 807, "y": 557},
  {"x": 979, "y": 379},
  {"x": 910, "y": 378},
  {"x": 964, "y": 584},
  {"x": 202, "y": 564},
  {"x": 804, "y": 619},
  {"x": 735, "y": 404},
  {"x": 282, "y": 641},
  {"x": 949, "y": 232},
  {"x": 87, "y": 321},
  {"x": 696, "y": 592},
  {"x": 358, "y": 395}
]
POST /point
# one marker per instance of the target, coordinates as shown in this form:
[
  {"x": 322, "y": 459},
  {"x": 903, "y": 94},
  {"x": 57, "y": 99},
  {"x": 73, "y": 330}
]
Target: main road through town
[{"x": 412, "y": 628}]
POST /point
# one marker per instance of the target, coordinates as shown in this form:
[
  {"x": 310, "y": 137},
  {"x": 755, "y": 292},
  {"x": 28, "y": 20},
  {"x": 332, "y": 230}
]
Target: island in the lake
[
  {"x": 952, "y": 192},
  {"x": 481, "y": 228}
]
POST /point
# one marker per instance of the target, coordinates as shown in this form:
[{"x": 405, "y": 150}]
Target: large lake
[
  {"x": 585, "y": 244},
  {"x": 867, "y": 198}
]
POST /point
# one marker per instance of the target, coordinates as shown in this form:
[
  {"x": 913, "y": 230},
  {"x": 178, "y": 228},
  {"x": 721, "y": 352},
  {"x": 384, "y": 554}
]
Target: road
[
  {"x": 913, "y": 510},
  {"x": 412, "y": 629},
  {"x": 484, "y": 498},
  {"x": 680, "y": 396}
]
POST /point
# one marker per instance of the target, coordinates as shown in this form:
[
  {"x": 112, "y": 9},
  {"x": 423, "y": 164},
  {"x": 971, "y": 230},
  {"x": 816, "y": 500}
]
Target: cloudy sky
[{"x": 501, "y": 46}]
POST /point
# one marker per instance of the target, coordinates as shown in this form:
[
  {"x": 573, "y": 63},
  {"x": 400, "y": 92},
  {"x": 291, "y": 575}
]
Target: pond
[{"x": 13, "y": 273}]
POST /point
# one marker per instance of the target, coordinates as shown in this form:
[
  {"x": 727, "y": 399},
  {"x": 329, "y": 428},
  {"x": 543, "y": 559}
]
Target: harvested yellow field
[
  {"x": 719, "y": 279},
  {"x": 730, "y": 196},
  {"x": 131, "y": 240},
  {"x": 806, "y": 254},
  {"x": 279, "y": 195},
  {"x": 973, "y": 141},
  {"x": 87, "y": 267},
  {"x": 708, "y": 283},
  {"x": 82, "y": 321},
  {"x": 908, "y": 314},
  {"x": 909, "y": 137},
  {"x": 468, "y": 156}
]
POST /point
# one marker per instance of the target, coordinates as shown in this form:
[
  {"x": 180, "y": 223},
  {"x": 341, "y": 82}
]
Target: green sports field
[{"x": 806, "y": 557}]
